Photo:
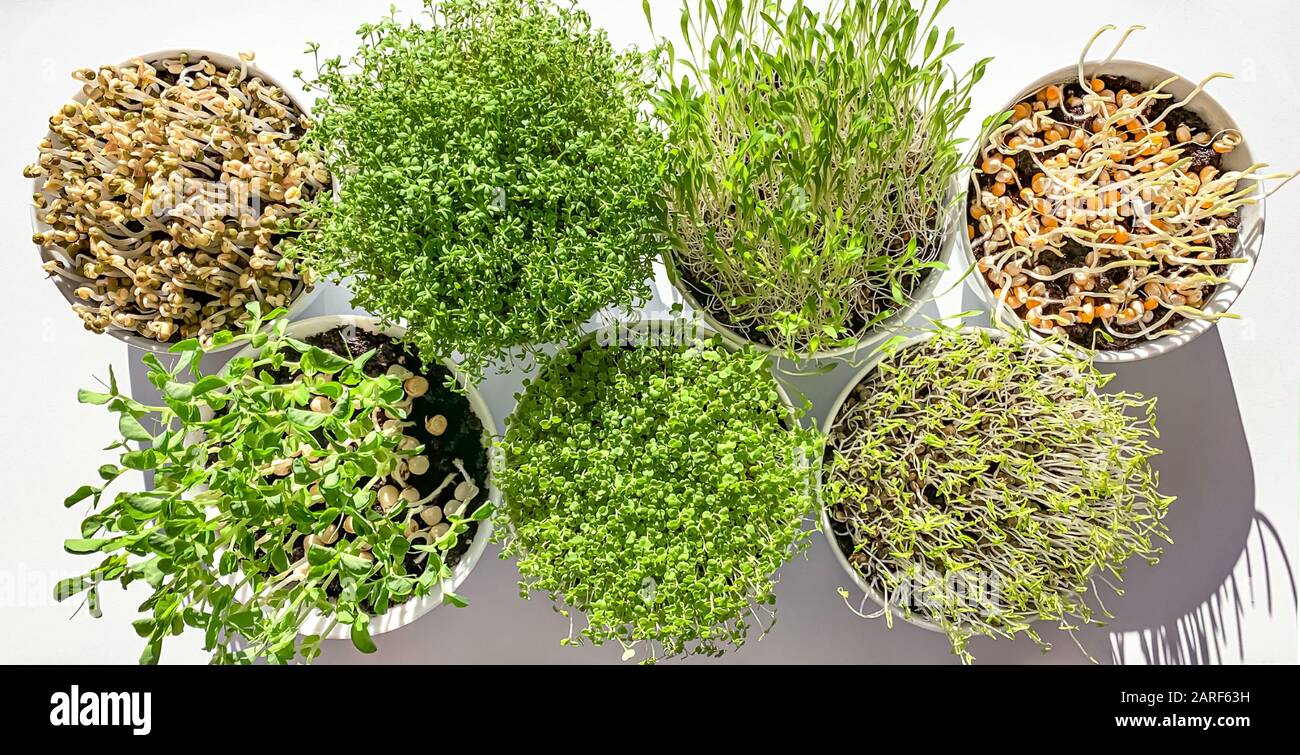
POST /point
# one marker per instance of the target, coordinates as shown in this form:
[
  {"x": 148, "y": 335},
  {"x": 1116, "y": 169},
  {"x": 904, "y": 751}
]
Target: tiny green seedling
[
  {"x": 982, "y": 484},
  {"x": 656, "y": 491},
  {"x": 812, "y": 157}
]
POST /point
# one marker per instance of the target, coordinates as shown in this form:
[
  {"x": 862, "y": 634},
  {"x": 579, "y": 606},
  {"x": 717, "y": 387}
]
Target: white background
[{"x": 1224, "y": 593}]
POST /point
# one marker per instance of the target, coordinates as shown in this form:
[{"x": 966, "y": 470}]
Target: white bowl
[
  {"x": 67, "y": 288},
  {"x": 872, "y": 362},
  {"x": 638, "y": 331},
  {"x": 404, "y": 613},
  {"x": 889, "y": 326},
  {"x": 1250, "y": 232}
]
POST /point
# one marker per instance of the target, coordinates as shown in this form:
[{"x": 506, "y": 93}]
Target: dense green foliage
[
  {"x": 812, "y": 157},
  {"x": 498, "y": 181},
  {"x": 240, "y": 535},
  {"x": 657, "y": 490},
  {"x": 984, "y": 484}
]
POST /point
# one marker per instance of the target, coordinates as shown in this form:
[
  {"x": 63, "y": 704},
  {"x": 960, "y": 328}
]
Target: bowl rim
[
  {"x": 131, "y": 338},
  {"x": 922, "y": 295},
  {"x": 400, "y": 615},
  {"x": 1250, "y": 239}
]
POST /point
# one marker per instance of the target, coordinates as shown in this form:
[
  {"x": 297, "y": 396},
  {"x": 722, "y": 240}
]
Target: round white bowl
[
  {"x": 646, "y": 329},
  {"x": 1250, "y": 233},
  {"x": 404, "y": 613},
  {"x": 872, "y": 362},
  {"x": 67, "y": 288},
  {"x": 888, "y": 327}
]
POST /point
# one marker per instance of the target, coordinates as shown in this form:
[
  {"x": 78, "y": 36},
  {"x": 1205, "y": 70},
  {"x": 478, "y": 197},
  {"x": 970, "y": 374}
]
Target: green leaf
[
  {"x": 189, "y": 344},
  {"x": 152, "y": 653},
  {"x": 86, "y": 545},
  {"x": 308, "y": 420},
  {"x": 318, "y": 360},
  {"x": 83, "y": 492},
  {"x": 208, "y": 383},
  {"x": 361, "y": 634},
  {"x": 355, "y": 565},
  {"x": 131, "y": 428},
  {"x": 320, "y": 554},
  {"x": 67, "y": 588},
  {"x": 90, "y": 397},
  {"x": 174, "y": 391}
]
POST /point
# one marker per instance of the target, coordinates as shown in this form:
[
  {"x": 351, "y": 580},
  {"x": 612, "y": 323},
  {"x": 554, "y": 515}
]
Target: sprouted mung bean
[
  {"x": 1101, "y": 211},
  {"x": 982, "y": 484},
  {"x": 164, "y": 194}
]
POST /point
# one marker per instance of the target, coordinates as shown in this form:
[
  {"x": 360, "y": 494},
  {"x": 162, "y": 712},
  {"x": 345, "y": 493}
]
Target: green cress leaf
[
  {"x": 502, "y": 181},
  {"x": 618, "y": 507}
]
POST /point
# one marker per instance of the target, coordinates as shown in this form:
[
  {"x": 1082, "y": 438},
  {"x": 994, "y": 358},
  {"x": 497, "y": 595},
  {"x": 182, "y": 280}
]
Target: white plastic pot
[
  {"x": 67, "y": 288},
  {"x": 888, "y": 327},
  {"x": 862, "y": 374},
  {"x": 1250, "y": 232},
  {"x": 402, "y": 614}
]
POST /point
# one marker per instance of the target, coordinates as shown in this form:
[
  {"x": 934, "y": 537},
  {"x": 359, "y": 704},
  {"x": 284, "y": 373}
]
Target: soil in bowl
[{"x": 1120, "y": 253}]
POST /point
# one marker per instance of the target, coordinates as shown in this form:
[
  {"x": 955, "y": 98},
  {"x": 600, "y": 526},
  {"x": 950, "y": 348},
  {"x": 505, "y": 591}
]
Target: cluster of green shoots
[
  {"x": 240, "y": 536},
  {"x": 1101, "y": 210},
  {"x": 812, "y": 159},
  {"x": 983, "y": 483},
  {"x": 657, "y": 489},
  {"x": 499, "y": 182}
]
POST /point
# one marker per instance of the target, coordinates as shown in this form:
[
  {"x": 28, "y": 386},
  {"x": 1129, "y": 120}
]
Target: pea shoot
[{"x": 262, "y": 510}]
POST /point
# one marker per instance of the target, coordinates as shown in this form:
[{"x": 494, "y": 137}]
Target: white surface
[{"x": 1224, "y": 593}]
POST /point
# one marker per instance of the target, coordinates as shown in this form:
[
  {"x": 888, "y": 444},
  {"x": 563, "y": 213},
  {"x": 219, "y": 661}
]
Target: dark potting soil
[
  {"x": 1093, "y": 335},
  {"x": 462, "y": 439}
]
